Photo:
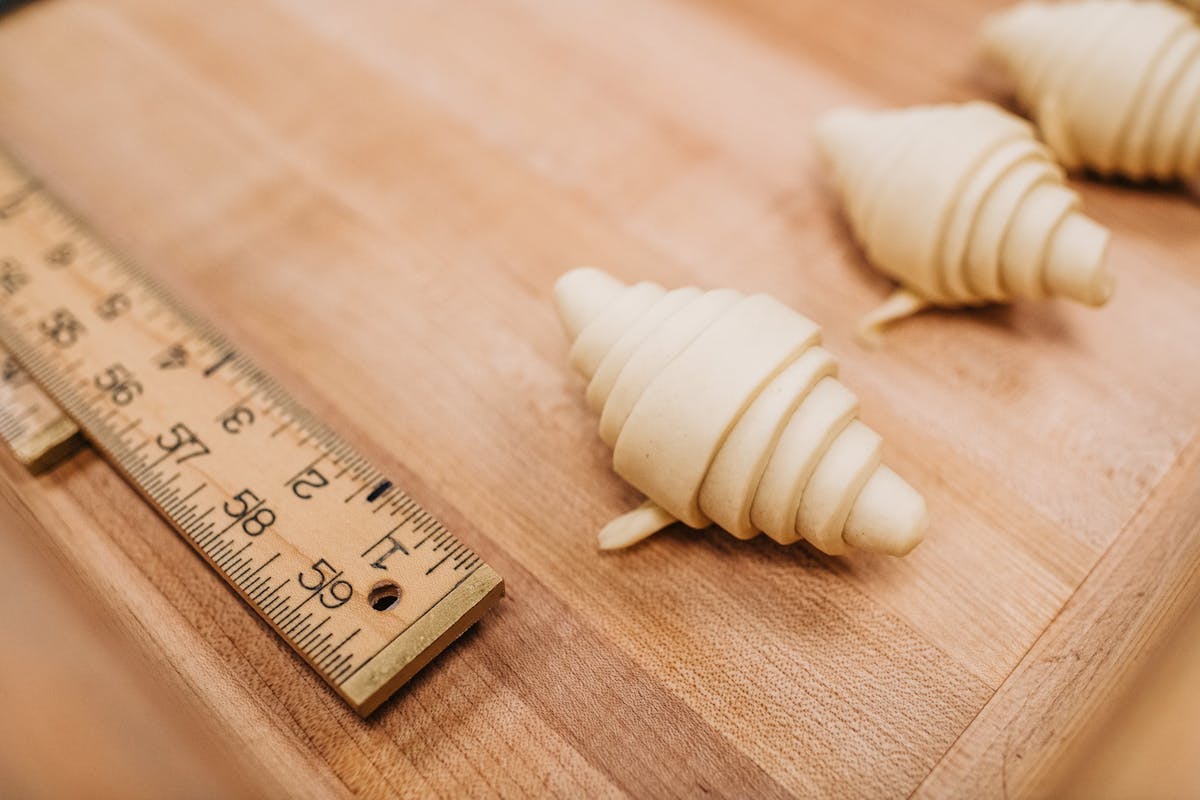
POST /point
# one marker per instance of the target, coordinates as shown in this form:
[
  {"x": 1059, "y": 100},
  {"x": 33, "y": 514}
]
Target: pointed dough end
[
  {"x": 629, "y": 529},
  {"x": 1007, "y": 29},
  {"x": 583, "y": 293},
  {"x": 889, "y": 516},
  {"x": 1077, "y": 261},
  {"x": 842, "y": 133}
]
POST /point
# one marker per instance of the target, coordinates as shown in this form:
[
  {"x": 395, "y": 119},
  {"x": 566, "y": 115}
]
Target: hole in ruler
[{"x": 384, "y": 595}]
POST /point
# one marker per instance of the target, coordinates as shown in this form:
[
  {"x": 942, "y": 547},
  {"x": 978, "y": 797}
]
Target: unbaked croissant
[
  {"x": 961, "y": 205},
  {"x": 1114, "y": 85},
  {"x": 722, "y": 407}
]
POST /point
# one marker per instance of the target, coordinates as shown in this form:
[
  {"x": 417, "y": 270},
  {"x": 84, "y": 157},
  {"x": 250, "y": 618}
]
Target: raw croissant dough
[
  {"x": 962, "y": 206},
  {"x": 1114, "y": 85},
  {"x": 722, "y": 408}
]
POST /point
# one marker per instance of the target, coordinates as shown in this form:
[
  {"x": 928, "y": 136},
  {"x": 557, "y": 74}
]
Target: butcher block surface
[{"x": 356, "y": 192}]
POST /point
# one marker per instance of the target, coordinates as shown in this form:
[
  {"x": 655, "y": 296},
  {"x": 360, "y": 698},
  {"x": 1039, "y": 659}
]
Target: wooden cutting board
[{"x": 360, "y": 191}]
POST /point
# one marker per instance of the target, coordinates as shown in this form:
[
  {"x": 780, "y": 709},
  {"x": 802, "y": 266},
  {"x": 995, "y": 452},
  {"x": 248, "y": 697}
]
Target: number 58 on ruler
[{"x": 359, "y": 579}]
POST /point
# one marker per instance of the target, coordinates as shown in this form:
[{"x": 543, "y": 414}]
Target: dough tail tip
[
  {"x": 900, "y": 304},
  {"x": 628, "y": 529}
]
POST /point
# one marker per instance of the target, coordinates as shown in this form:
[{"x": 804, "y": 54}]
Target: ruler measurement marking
[
  {"x": 330, "y": 657},
  {"x": 232, "y": 555},
  {"x": 276, "y": 601},
  {"x": 405, "y": 507},
  {"x": 185, "y": 516},
  {"x": 281, "y": 609},
  {"x": 283, "y": 427},
  {"x": 154, "y": 464},
  {"x": 300, "y": 627},
  {"x": 379, "y": 491},
  {"x": 237, "y": 563},
  {"x": 262, "y": 566},
  {"x": 322, "y": 645},
  {"x": 152, "y": 483},
  {"x": 311, "y": 635},
  {"x": 274, "y": 593},
  {"x": 240, "y": 575},
  {"x": 420, "y": 527},
  {"x": 232, "y": 565},
  {"x": 201, "y": 531},
  {"x": 13, "y": 204},
  {"x": 356, "y": 492},
  {"x": 132, "y": 426},
  {"x": 224, "y": 546},
  {"x": 295, "y": 624},
  {"x": 267, "y": 593},
  {"x": 29, "y": 412},
  {"x": 163, "y": 486},
  {"x": 185, "y": 511},
  {"x": 438, "y": 564},
  {"x": 225, "y": 359},
  {"x": 170, "y": 502},
  {"x": 252, "y": 585},
  {"x": 202, "y": 534},
  {"x": 181, "y": 499},
  {"x": 263, "y": 583},
  {"x": 289, "y": 614},
  {"x": 344, "y": 671}
]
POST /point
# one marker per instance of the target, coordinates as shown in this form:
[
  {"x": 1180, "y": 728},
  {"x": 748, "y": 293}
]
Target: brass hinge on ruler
[
  {"x": 39, "y": 434},
  {"x": 360, "y": 580}
]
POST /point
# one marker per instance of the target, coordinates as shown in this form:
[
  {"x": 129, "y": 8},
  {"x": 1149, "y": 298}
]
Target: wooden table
[{"x": 356, "y": 191}]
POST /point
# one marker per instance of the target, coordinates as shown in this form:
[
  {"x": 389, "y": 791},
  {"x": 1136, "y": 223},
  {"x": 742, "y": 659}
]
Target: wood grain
[
  {"x": 355, "y": 192},
  {"x": 1123, "y": 752},
  {"x": 71, "y": 678}
]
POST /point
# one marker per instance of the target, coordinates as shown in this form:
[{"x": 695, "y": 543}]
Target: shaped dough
[
  {"x": 961, "y": 205},
  {"x": 1114, "y": 85},
  {"x": 723, "y": 408}
]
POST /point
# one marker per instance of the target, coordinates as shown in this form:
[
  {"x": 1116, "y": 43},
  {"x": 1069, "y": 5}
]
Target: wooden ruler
[{"x": 360, "y": 580}]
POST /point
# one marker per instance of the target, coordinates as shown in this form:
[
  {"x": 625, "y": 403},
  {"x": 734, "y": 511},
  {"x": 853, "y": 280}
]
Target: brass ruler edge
[
  {"x": 50, "y": 446},
  {"x": 389, "y": 669}
]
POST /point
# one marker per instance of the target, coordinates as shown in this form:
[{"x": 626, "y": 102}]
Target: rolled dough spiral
[
  {"x": 722, "y": 407},
  {"x": 961, "y": 205},
  {"x": 1114, "y": 85}
]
